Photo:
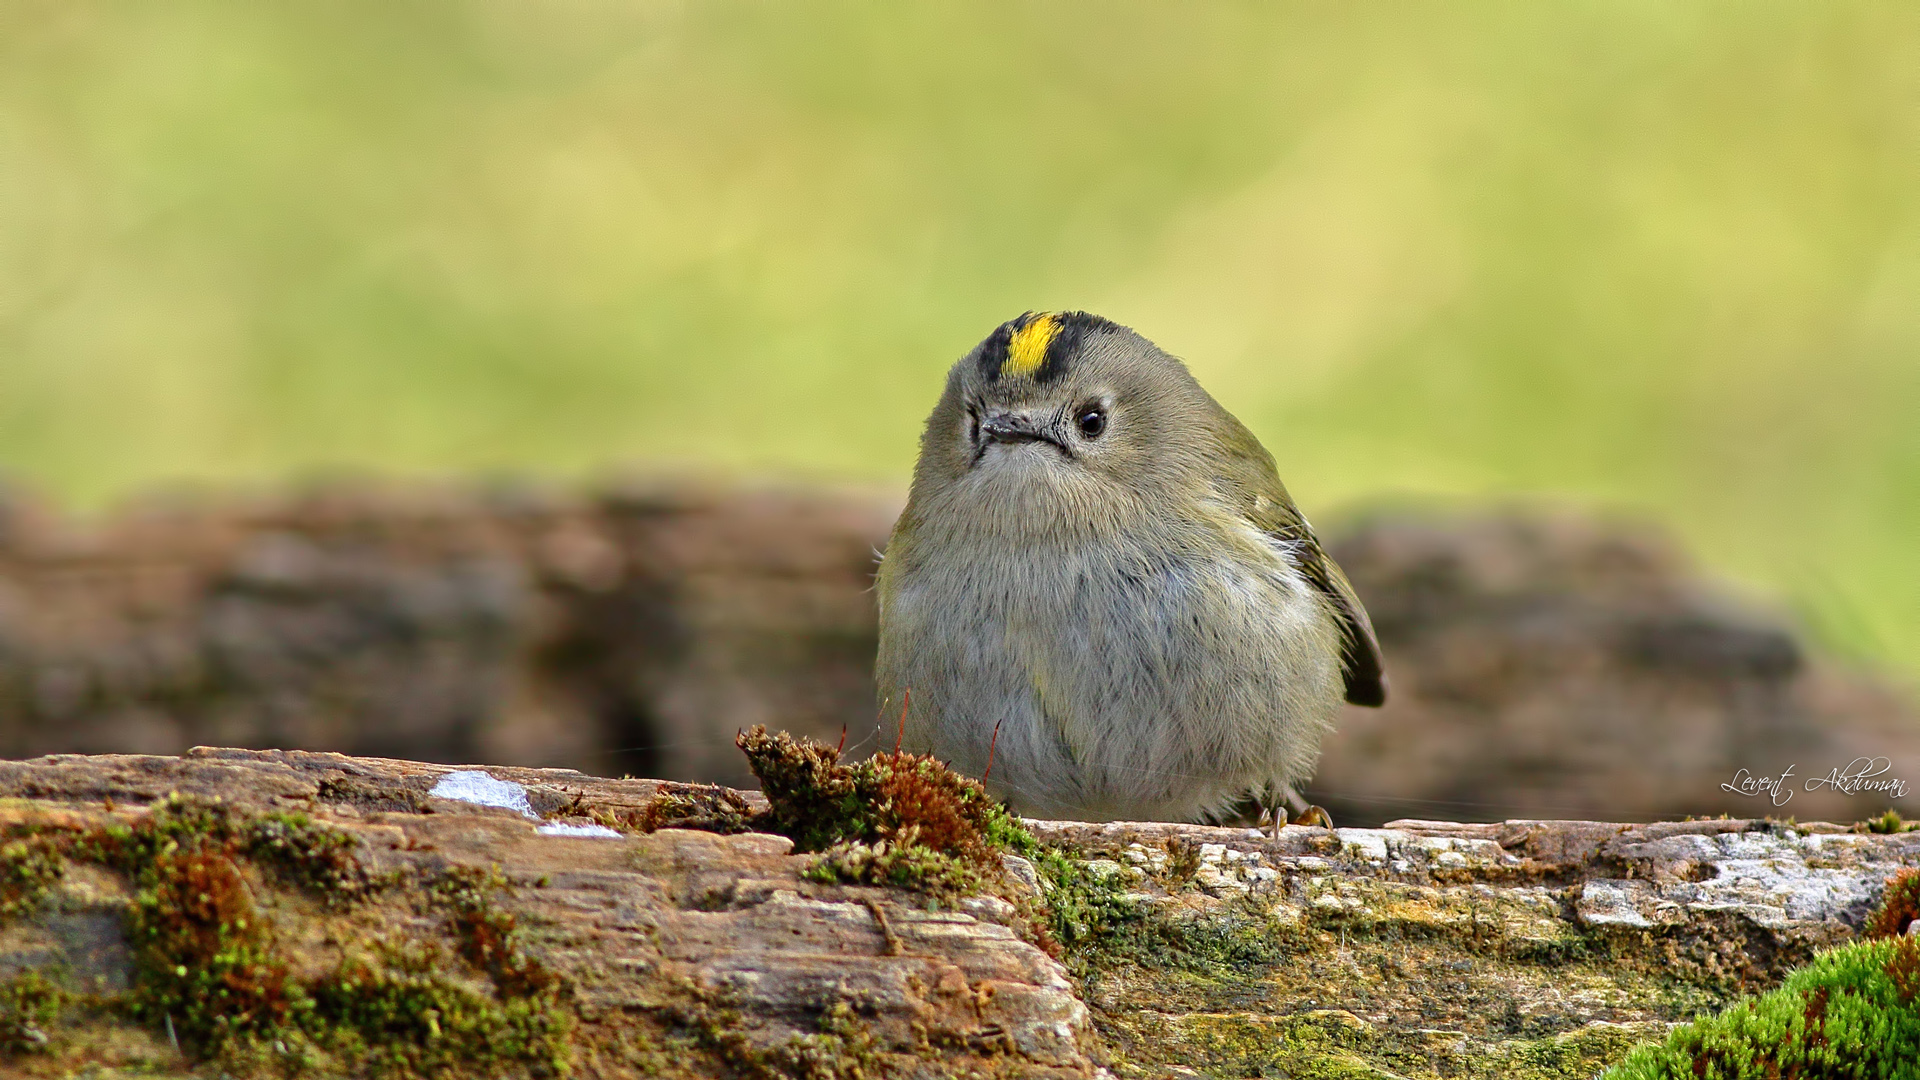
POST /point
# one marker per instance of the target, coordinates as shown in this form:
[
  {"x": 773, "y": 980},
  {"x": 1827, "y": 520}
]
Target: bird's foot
[{"x": 1273, "y": 816}]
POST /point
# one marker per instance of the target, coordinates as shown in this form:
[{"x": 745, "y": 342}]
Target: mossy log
[{"x": 287, "y": 913}]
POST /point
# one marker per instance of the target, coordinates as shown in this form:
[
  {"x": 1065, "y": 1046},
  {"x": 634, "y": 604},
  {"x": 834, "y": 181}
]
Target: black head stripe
[
  {"x": 1010, "y": 351},
  {"x": 993, "y": 351}
]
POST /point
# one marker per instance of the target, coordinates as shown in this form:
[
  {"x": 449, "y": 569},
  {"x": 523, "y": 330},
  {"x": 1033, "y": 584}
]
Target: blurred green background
[{"x": 1652, "y": 257}]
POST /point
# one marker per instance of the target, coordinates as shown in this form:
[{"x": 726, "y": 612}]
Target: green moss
[
  {"x": 842, "y": 1049},
  {"x": 1004, "y": 832},
  {"x": 323, "y": 860},
  {"x": 29, "y": 1005},
  {"x": 1889, "y": 822},
  {"x": 1852, "y": 1012},
  {"x": 815, "y": 800},
  {"x": 1579, "y": 1053},
  {"x": 1099, "y": 926},
  {"x": 403, "y": 1011},
  {"x": 171, "y": 825},
  {"x": 819, "y": 802},
  {"x": 902, "y": 866},
  {"x": 1474, "y": 971},
  {"x": 1090, "y": 916},
  {"x": 1458, "y": 984},
  {"x": 1332, "y": 1044},
  {"x": 29, "y": 867},
  {"x": 1701, "y": 961},
  {"x": 399, "y": 1014},
  {"x": 208, "y": 968}
]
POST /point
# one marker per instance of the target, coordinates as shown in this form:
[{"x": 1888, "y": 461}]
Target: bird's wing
[
  {"x": 1359, "y": 650},
  {"x": 1271, "y": 510}
]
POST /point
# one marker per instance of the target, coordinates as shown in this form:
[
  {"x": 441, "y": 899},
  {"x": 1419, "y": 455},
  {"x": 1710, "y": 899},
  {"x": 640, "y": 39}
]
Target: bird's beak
[{"x": 1016, "y": 428}]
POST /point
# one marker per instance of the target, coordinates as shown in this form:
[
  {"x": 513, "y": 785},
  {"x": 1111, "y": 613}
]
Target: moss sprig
[
  {"x": 819, "y": 802},
  {"x": 205, "y": 960},
  {"x": 896, "y": 819}
]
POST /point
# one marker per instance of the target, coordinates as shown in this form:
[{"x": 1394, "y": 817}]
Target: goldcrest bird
[{"x": 1100, "y": 587}]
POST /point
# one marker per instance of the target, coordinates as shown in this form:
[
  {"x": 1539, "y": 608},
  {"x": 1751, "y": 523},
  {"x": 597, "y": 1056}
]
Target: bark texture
[{"x": 560, "y": 934}]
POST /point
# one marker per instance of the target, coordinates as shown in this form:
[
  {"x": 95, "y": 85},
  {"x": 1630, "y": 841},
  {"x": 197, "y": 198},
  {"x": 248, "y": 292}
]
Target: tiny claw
[
  {"x": 1270, "y": 820},
  {"x": 1312, "y": 815}
]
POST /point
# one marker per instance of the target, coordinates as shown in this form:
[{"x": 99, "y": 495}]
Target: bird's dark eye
[{"x": 1092, "y": 421}]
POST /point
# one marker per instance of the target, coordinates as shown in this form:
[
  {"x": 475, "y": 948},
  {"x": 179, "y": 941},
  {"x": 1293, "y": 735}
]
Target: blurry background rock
[
  {"x": 1542, "y": 665},
  {"x": 628, "y": 632},
  {"x": 1575, "y": 668}
]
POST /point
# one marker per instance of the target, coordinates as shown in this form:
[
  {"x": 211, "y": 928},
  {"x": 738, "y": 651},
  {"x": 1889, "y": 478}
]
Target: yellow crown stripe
[{"x": 1028, "y": 349}]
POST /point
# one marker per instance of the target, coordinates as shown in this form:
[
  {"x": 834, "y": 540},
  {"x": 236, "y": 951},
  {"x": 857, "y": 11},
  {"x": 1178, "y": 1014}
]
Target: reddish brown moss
[
  {"x": 488, "y": 937},
  {"x": 1903, "y": 967},
  {"x": 204, "y": 955},
  {"x": 1814, "y": 1016},
  {"x": 1899, "y": 906},
  {"x": 902, "y": 799},
  {"x": 708, "y": 807},
  {"x": 917, "y": 800}
]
